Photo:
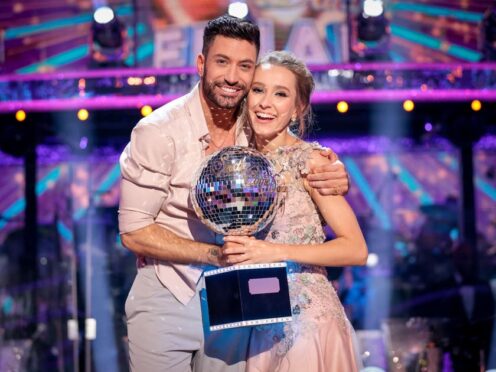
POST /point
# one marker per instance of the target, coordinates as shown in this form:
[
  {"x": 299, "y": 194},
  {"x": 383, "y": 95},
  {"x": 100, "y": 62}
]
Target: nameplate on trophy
[{"x": 247, "y": 295}]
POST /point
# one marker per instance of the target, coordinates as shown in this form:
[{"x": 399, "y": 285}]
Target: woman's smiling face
[{"x": 272, "y": 101}]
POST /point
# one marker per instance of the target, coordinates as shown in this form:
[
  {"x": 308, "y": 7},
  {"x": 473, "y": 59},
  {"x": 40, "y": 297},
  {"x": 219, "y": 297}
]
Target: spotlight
[
  {"x": 20, "y": 115},
  {"x": 428, "y": 127},
  {"x": 408, "y": 105},
  {"x": 83, "y": 114},
  {"x": 342, "y": 107},
  {"x": 238, "y": 9},
  {"x": 146, "y": 110},
  {"x": 373, "y": 8},
  {"x": 109, "y": 46},
  {"x": 103, "y": 15},
  {"x": 476, "y": 105}
]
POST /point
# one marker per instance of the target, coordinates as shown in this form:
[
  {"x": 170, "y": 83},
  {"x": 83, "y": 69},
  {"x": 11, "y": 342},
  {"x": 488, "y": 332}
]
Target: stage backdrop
[{"x": 54, "y": 35}]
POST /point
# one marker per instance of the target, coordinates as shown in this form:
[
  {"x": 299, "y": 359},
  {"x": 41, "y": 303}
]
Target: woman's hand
[{"x": 242, "y": 250}]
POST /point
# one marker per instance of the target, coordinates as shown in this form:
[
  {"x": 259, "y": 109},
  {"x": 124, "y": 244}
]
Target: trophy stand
[{"x": 247, "y": 295}]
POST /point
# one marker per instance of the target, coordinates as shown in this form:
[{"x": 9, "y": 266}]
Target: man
[{"x": 156, "y": 218}]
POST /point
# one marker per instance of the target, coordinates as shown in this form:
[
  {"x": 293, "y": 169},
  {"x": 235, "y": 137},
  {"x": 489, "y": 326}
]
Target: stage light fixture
[
  {"x": 373, "y": 33},
  {"x": 83, "y": 114},
  {"x": 20, "y": 115},
  {"x": 109, "y": 47},
  {"x": 372, "y": 29},
  {"x": 146, "y": 110},
  {"x": 238, "y": 9},
  {"x": 408, "y": 105},
  {"x": 342, "y": 107},
  {"x": 476, "y": 105}
]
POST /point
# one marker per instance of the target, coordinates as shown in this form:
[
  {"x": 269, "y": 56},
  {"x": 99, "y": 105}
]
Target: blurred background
[{"x": 406, "y": 94}]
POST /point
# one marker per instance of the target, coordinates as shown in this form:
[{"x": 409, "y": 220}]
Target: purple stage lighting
[{"x": 83, "y": 143}]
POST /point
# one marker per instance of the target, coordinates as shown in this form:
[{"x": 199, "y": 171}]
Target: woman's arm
[{"x": 348, "y": 248}]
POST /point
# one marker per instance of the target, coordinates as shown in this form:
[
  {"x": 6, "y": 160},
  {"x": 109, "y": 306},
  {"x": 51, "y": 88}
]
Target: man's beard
[{"x": 218, "y": 99}]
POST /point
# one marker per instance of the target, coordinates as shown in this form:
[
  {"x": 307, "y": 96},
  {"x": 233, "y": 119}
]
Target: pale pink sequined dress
[{"x": 320, "y": 337}]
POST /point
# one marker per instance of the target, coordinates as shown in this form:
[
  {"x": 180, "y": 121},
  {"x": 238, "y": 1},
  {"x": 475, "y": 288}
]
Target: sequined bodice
[{"x": 298, "y": 222}]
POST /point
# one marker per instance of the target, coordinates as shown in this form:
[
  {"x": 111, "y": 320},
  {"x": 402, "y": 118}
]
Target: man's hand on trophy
[
  {"x": 243, "y": 250},
  {"x": 331, "y": 178}
]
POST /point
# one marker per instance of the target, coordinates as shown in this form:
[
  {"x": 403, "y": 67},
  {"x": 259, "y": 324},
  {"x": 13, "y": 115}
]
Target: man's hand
[
  {"x": 216, "y": 257},
  {"x": 330, "y": 179}
]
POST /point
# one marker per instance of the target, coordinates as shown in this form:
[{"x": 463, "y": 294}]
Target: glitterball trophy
[{"x": 235, "y": 193}]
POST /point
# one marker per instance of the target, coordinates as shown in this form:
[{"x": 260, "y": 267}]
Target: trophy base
[{"x": 247, "y": 295}]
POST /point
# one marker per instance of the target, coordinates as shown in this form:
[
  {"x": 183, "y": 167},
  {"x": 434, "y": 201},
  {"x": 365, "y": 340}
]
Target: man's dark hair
[{"x": 231, "y": 27}]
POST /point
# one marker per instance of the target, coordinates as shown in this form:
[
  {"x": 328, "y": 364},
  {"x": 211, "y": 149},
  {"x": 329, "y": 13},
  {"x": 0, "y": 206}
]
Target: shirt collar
[{"x": 196, "y": 112}]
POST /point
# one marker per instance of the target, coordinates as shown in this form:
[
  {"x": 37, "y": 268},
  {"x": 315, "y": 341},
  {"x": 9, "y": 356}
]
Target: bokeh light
[
  {"x": 20, "y": 115},
  {"x": 476, "y": 105},
  {"x": 83, "y": 114},
  {"x": 146, "y": 110},
  {"x": 408, "y": 105},
  {"x": 342, "y": 107}
]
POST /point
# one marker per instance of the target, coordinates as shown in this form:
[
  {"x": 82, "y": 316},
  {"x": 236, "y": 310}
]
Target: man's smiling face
[{"x": 227, "y": 71}]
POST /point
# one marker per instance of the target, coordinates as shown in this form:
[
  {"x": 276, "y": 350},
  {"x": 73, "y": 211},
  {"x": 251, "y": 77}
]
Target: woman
[{"x": 320, "y": 338}]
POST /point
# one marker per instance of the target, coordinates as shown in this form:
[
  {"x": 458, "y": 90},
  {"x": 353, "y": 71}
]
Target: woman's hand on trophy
[{"x": 243, "y": 250}]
